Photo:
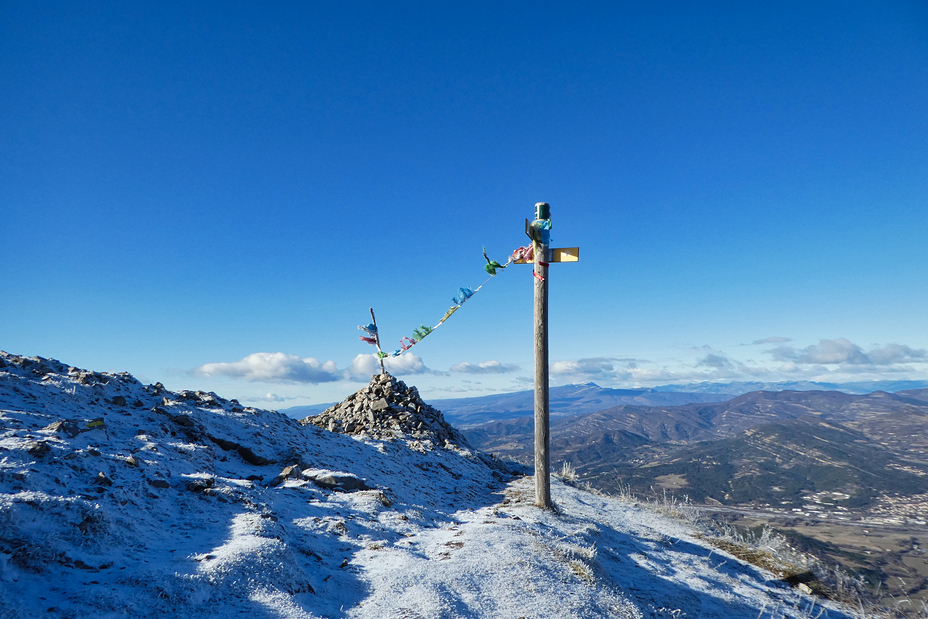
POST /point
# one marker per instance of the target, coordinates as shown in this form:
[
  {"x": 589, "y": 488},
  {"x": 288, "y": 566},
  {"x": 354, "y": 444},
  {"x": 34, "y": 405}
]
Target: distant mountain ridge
[
  {"x": 584, "y": 398},
  {"x": 636, "y": 444},
  {"x": 567, "y": 400},
  {"x": 740, "y": 387}
]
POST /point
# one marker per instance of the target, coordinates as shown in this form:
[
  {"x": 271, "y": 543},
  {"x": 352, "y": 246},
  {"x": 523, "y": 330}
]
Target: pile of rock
[{"x": 387, "y": 408}]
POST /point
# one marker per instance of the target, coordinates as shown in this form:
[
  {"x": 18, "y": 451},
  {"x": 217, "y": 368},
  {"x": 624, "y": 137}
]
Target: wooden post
[
  {"x": 542, "y": 427},
  {"x": 377, "y": 341},
  {"x": 538, "y": 231}
]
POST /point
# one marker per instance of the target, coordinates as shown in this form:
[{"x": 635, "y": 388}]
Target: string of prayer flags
[
  {"x": 450, "y": 311},
  {"x": 421, "y": 332},
  {"x": 404, "y": 346},
  {"x": 492, "y": 265},
  {"x": 462, "y": 295},
  {"x": 521, "y": 254},
  {"x": 371, "y": 330}
]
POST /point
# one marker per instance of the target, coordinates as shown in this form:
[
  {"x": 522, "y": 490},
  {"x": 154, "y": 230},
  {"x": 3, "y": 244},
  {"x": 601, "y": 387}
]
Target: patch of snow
[{"x": 146, "y": 503}]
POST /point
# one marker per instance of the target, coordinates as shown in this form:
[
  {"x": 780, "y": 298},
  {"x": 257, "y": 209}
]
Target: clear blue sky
[{"x": 185, "y": 185}]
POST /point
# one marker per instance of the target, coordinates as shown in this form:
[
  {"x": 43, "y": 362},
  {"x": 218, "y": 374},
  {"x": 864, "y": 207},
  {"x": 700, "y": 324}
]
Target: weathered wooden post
[{"x": 540, "y": 233}]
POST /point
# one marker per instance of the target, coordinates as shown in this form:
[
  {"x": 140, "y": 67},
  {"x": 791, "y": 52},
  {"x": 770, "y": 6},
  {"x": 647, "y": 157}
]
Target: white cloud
[
  {"x": 827, "y": 352},
  {"x": 484, "y": 367},
  {"x": 771, "y": 340},
  {"x": 274, "y": 367},
  {"x": 270, "y": 397},
  {"x": 842, "y": 351},
  {"x": 711, "y": 367},
  {"x": 896, "y": 353},
  {"x": 595, "y": 368},
  {"x": 460, "y": 389},
  {"x": 715, "y": 360},
  {"x": 608, "y": 370},
  {"x": 365, "y": 366},
  {"x": 656, "y": 376},
  {"x": 829, "y": 360},
  {"x": 787, "y": 354}
]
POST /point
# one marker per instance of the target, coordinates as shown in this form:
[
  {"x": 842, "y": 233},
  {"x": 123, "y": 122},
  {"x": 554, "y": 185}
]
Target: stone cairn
[{"x": 385, "y": 409}]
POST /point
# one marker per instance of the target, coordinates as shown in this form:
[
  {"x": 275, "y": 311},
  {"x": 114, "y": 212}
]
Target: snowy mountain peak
[{"x": 119, "y": 499}]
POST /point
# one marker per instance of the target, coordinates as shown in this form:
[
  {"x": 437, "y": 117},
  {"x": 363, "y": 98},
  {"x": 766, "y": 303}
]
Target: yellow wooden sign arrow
[
  {"x": 560, "y": 254},
  {"x": 564, "y": 254}
]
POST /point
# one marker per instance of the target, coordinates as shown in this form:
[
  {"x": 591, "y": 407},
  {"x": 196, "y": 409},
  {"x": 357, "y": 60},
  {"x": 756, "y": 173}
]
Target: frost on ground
[{"x": 119, "y": 499}]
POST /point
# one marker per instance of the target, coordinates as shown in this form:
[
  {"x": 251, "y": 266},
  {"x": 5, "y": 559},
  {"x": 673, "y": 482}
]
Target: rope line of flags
[{"x": 521, "y": 254}]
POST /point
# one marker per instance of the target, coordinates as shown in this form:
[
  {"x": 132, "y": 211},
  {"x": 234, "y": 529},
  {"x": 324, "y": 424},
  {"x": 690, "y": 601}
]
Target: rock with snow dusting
[
  {"x": 335, "y": 480},
  {"x": 385, "y": 409}
]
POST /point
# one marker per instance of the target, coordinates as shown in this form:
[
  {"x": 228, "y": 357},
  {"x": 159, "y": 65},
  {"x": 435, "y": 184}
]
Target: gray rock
[
  {"x": 291, "y": 472},
  {"x": 102, "y": 480},
  {"x": 251, "y": 457},
  {"x": 224, "y": 444},
  {"x": 64, "y": 426},
  {"x": 183, "y": 420},
  {"x": 333, "y": 480},
  {"x": 38, "y": 449},
  {"x": 201, "y": 485}
]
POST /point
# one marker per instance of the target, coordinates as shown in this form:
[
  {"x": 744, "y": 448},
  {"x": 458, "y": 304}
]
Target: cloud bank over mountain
[
  {"x": 274, "y": 367},
  {"x": 280, "y": 367},
  {"x": 485, "y": 367},
  {"x": 827, "y": 360},
  {"x": 843, "y": 351},
  {"x": 768, "y": 360},
  {"x": 363, "y": 366}
]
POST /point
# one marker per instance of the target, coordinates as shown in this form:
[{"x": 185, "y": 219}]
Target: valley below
[
  {"x": 888, "y": 556},
  {"x": 842, "y": 476}
]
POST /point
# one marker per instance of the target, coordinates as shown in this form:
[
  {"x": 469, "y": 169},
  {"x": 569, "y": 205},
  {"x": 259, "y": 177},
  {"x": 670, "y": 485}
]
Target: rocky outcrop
[{"x": 385, "y": 409}]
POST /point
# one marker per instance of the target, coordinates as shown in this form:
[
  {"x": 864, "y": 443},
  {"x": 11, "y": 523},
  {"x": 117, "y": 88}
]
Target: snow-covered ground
[{"x": 119, "y": 499}]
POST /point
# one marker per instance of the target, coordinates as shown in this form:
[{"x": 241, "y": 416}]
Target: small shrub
[
  {"x": 581, "y": 570},
  {"x": 568, "y": 473}
]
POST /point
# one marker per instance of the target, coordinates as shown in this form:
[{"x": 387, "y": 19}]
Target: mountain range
[
  {"x": 119, "y": 499},
  {"x": 580, "y": 399},
  {"x": 576, "y": 399},
  {"x": 785, "y": 445},
  {"x": 741, "y": 387}
]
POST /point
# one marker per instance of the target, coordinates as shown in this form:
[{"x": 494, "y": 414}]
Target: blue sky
[{"x": 213, "y": 195}]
